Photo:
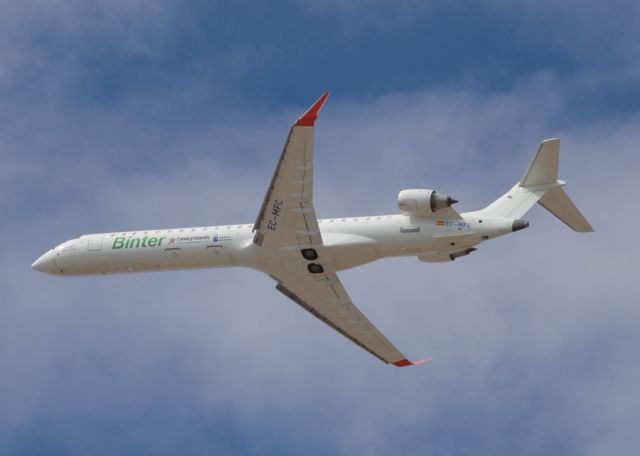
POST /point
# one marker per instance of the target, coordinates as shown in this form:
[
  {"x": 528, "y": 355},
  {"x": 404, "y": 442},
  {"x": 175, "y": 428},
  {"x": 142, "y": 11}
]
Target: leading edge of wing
[{"x": 308, "y": 119}]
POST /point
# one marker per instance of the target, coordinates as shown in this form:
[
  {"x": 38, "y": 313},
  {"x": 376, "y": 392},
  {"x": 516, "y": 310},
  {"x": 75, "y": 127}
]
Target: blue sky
[{"x": 133, "y": 114}]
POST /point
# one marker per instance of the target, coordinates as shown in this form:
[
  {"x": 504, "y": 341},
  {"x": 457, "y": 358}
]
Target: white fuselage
[{"x": 347, "y": 242}]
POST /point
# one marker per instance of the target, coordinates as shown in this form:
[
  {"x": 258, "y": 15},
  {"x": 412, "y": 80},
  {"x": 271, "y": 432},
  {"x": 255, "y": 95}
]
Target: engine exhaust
[
  {"x": 519, "y": 225},
  {"x": 440, "y": 201}
]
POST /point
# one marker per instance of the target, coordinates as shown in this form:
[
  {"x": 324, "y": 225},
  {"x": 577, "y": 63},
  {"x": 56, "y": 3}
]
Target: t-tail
[{"x": 540, "y": 184}]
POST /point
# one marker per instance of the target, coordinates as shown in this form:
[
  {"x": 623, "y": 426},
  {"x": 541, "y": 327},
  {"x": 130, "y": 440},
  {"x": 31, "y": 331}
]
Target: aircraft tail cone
[{"x": 519, "y": 225}]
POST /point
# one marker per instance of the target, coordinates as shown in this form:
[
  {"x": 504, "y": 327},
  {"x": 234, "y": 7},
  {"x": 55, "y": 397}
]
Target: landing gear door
[{"x": 94, "y": 243}]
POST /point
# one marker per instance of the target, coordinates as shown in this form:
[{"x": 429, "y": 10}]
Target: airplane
[{"x": 303, "y": 254}]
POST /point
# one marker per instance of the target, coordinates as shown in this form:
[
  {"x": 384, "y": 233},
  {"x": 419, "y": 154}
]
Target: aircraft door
[{"x": 94, "y": 243}]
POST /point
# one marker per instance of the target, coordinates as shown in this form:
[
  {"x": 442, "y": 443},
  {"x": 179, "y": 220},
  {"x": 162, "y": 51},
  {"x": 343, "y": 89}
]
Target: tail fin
[
  {"x": 544, "y": 166},
  {"x": 540, "y": 184}
]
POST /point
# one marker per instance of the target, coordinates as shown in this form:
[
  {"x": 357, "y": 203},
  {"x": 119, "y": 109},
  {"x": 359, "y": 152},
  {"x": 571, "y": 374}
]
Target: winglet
[
  {"x": 309, "y": 117},
  {"x": 405, "y": 362}
]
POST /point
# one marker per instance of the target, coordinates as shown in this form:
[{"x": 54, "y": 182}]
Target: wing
[
  {"x": 287, "y": 227},
  {"x": 324, "y": 297},
  {"x": 287, "y": 217}
]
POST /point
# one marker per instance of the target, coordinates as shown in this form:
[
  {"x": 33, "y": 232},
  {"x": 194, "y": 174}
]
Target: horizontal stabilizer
[{"x": 559, "y": 204}]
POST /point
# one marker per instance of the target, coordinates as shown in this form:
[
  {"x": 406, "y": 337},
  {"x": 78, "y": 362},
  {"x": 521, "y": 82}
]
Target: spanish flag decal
[{"x": 440, "y": 223}]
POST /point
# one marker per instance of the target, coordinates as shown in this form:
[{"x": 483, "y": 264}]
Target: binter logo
[{"x": 134, "y": 243}]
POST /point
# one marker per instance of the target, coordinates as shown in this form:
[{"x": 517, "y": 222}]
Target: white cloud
[
  {"x": 532, "y": 332},
  {"x": 534, "y": 335},
  {"x": 40, "y": 38}
]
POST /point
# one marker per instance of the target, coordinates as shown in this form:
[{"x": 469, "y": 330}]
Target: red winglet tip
[
  {"x": 405, "y": 362},
  {"x": 308, "y": 119}
]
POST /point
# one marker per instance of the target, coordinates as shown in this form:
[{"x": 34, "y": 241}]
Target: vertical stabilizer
[
  {"x": 544, "y": 166},
  {"x": 540, "y": 184}
]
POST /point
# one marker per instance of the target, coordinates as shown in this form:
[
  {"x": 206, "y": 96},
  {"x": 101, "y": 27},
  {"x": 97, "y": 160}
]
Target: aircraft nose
[{"x": 45, "y": 263}]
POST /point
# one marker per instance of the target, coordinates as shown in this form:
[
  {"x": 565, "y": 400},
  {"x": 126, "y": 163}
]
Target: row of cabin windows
[
  {"x": 217, "y": 228},
  {"x": 180, "y": 230},
  {"x": 357, "y": 219}
]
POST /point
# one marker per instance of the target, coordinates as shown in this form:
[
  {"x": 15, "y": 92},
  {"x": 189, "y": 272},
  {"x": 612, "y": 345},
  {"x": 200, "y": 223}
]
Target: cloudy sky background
[{"x": 125, "y": 115}]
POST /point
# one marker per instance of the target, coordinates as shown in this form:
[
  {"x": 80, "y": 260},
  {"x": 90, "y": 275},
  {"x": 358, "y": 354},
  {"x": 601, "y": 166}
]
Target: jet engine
[{"x": 423, "y": 201}]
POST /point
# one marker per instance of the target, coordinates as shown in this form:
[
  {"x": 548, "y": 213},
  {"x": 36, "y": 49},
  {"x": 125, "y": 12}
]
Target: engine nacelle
[{"x": 423, "y": 201}]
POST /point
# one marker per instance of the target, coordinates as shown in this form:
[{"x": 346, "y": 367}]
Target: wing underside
[
  {"x": 324, "y": 297},
  {"x": 287, "y": 233},
  {"x": 287, "y": 217}
]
